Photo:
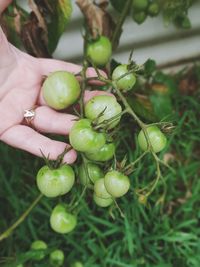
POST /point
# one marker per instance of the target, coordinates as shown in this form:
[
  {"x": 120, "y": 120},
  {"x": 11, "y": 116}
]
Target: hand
[{"x": 20, "y": 83}]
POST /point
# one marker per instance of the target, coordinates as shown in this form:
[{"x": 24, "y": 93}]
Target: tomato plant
[
  {"x": 103, "y": 108},
  {"x": 139, "y": 17},
  {"x": 127, "y": 80},
  {"x": 89, "y": 172},
  {"x": 105, "y": 153},
  {"x": 156, "y": 138},
  {"x": 39, "y": 246},
  {"x": 77, "y": 264},
  {"x": 84, "y": 138},
  {"x": 62, "y": 221},
  {"x": 116, "y": 183},
  {"x": 104, "y": 133},
  {"x": 100, "y": 190},
  {"x": 153, "y": 9},
  {"x": 99, "y": 50},
  {"x": 61, "y": 89},
  {"x": 57, "y": 258},
  {"x": 55, "y": 182},
  {"x": 140, "y": 5},
  {"x": 102, "y": 202}
]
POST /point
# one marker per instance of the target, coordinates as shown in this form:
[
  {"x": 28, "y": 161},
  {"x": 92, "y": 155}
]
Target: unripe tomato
[
  {"x": 140, "y": 5},
  {"x": 105, "y": 105},
  {"x": 62, "y": 221},
  {"x": 99, "y": 51},
  {"x": 60, "y": 90},
  {"x": 57, "y": 258},
  {"x": 105, "y": 153},
  {"x": 90, "y": 169},
  {"x": 100, "y": 190},
  {"x": 77, "y": 264},
  {"x": 116, "y": 183},
  {"x": 102, "y": 202},
  {"x": 153, "y": 9},
  {"x": 127, "y": 82},
  {"x": 156, "y": 137},
  {"x": 40, "y": 246},
  {"x": 55, "y": 182},
  {"x": 83, "y": 138},
  {"x": 139, "y": 16}
]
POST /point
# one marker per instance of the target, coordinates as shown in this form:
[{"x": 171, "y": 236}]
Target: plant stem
[
  {"x": 83, "y": 87},
  {"x": 118, "y": 29},
  {"x": 21, "y": 219},
  {"x": 134, "y": 162},
  {"x": 157, "y": 176},
  {"x": 128, "y": 108}
]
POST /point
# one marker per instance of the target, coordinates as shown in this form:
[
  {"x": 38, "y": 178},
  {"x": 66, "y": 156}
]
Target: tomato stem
[{"x": 118, "y": 29}]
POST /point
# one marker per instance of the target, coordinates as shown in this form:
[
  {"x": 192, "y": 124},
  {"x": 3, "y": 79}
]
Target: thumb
[{"x": 4, "y": 4}]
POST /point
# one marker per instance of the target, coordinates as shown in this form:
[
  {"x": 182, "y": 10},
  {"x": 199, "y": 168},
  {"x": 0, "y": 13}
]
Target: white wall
[
  {"x": 149, "y": 40},
  {"x": 165, "y": 44}
]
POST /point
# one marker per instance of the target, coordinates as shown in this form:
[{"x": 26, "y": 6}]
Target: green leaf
[
  {"x": 113, "y": 64},
  {"x": 14, "y": 19},
  {"x": 167, "y": 80},
  {"x": 149, "y": 67},
  {"x": 162, "y": 105},
  {"x": 142, "y": 107},
  {"x": 59, "y": 18},
  {"x": 118, "y": 4}
]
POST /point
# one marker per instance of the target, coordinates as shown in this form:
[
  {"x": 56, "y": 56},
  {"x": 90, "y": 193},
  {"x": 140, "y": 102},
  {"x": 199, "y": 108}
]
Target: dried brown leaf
[
  {"x": 98, "y": 19},
  {"x": 188, "y": 83},
  {"x": 32, "y": 38},
  {"x": 34, "y": 33}
]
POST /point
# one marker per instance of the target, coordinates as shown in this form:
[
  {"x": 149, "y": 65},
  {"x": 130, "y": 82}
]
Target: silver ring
[{"x": 29, "y": 115}]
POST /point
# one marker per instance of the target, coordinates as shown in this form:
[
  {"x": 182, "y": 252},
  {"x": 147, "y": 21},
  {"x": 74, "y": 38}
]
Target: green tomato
[
  {"x": 100, "y": 190},
  {"x": 153, "y": 9},
  {"x": 102, "y": 202},
  {"x": 140, "y": 5},
  {"x": 55, "y": 182},
  {"x": 127, "y": 82},
  {"x": 103, "y": 154},
  {"x": 60, "y": 90},
  {"x": 139, "y": 17},
  {"x": 41, "y": 246},
  {"x": 62, "y": 221},
  {"x": 99, "y": 51},
  {"x": 20, "y": 265},
  {"x": 103, "y": 107},
  {"x": 83, "y": 138},
  {"x": 57, "y": 258},
  {"x": 116, "y": 183},
  {"x": 89, "y": 172},
  {"x": 157, "y": 139},
  {"x": 77, "y": 264}
]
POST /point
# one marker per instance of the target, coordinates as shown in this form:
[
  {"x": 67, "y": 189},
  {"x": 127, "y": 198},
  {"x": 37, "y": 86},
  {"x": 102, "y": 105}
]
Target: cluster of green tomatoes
[
  {"x": 56, "y": 257},
  {"x": 144, "y": 8},
  {"x": 89, "y": 136}
]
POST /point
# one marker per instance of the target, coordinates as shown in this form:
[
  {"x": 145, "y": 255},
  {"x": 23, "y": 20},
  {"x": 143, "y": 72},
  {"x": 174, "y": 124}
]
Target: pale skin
[{"x": 20, "y": 89}]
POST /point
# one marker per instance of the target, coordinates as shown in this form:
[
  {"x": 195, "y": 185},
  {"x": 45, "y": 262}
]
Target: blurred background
[{"x": 152, "y": 39}]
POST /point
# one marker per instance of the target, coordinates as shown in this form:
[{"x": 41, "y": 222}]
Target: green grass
[{"x": 164, "y": 233}]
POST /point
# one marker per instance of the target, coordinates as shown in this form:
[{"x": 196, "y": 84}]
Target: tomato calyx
[{"x": 58, "y": 162}]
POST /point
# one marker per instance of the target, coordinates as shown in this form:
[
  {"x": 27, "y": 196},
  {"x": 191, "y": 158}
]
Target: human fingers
[
  {"x": 4, "y": 4},
  {"x": 50, "y": 65},
  {"x": 87, "y": 96},
  {"x": 48, "y": 120},
  {"x": 27, "y": 139}
]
